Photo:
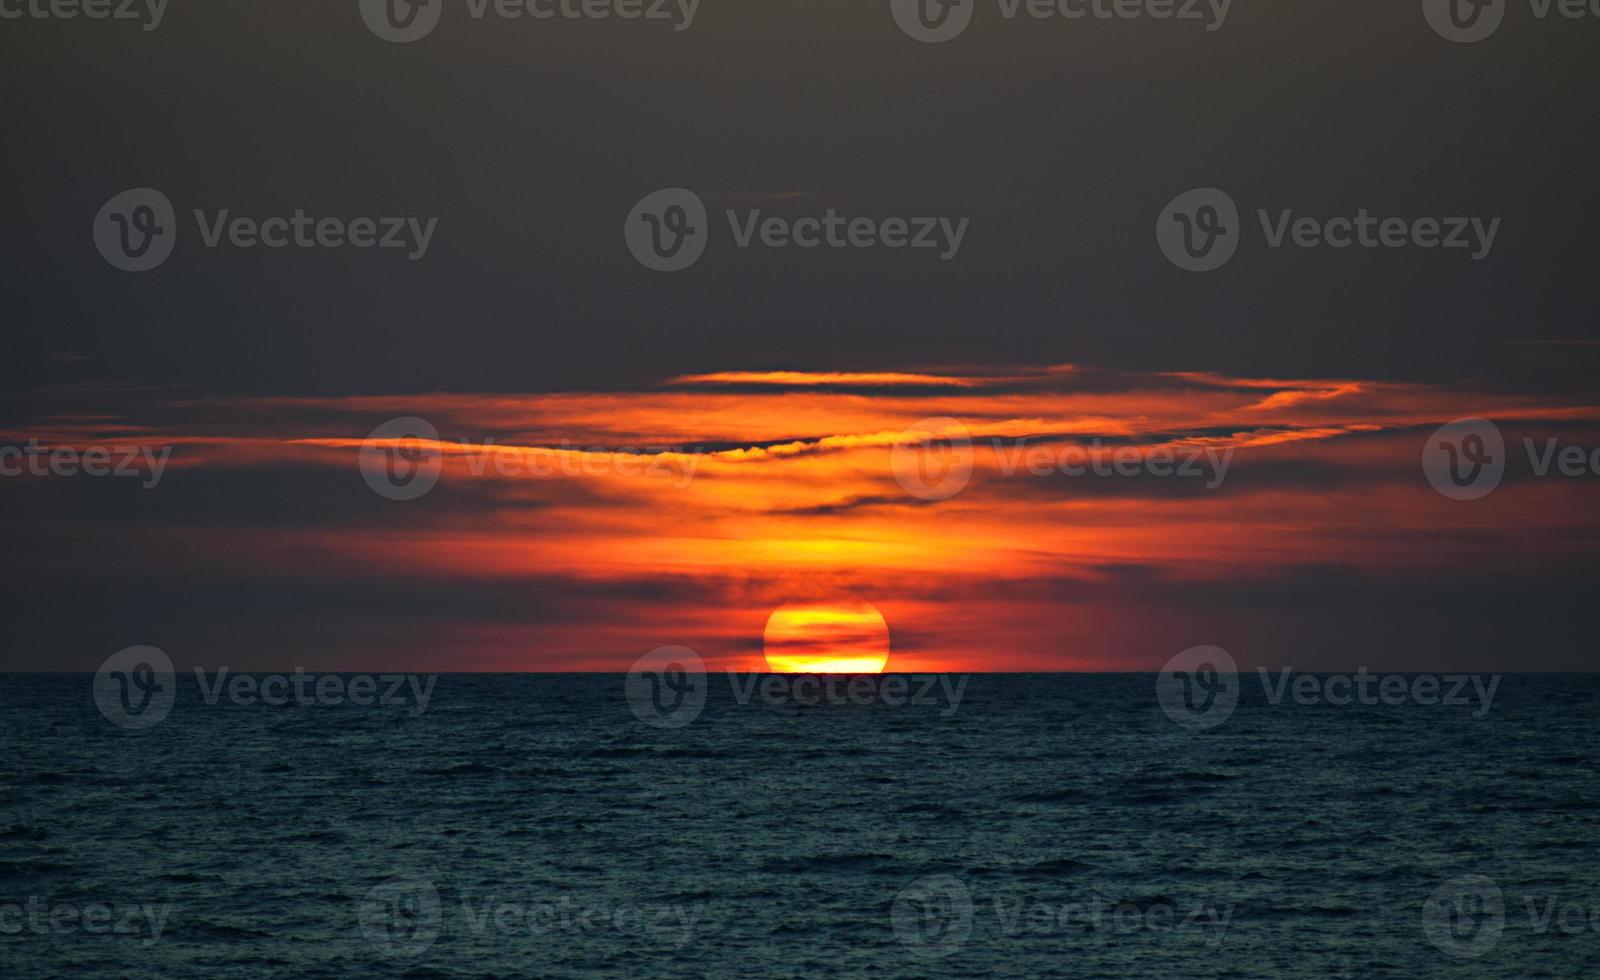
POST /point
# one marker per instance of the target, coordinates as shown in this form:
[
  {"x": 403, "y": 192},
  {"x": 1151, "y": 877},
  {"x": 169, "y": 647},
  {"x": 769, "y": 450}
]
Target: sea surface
[{"x": 1039, "y": 826}]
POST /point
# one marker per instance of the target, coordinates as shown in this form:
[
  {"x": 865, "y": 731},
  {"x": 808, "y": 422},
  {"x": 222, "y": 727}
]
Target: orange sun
[{"x": 841, "y": 636}]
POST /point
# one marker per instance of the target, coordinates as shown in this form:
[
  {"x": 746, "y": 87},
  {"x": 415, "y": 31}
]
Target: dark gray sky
[{"x": 530, "y": 141}]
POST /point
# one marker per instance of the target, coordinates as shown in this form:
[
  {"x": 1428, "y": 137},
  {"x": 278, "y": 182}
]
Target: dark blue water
[{"x": 1048, "y": 825}]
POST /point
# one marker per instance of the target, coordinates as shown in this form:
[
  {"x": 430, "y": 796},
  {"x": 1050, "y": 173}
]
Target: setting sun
[{"x": 847, "y": 636}]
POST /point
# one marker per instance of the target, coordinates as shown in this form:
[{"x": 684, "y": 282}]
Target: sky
[{"x": 771, "y": 386}]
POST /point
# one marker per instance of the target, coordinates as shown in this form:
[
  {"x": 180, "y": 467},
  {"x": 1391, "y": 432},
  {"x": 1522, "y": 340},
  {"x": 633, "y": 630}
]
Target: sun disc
[{"x": 842, "y": 636}]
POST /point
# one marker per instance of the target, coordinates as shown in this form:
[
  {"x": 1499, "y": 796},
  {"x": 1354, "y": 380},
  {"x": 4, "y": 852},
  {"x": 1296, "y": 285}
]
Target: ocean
[{"x": 1004, "y": 825}]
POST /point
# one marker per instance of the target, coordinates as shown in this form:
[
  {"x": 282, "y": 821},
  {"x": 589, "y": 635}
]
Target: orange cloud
[{"x": 687, "y": 517}]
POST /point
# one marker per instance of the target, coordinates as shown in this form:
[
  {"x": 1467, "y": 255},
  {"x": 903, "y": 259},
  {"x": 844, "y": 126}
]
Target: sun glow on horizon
[
  {"x": 689, "y": 510},
  {"x": 842, "y": 636}
]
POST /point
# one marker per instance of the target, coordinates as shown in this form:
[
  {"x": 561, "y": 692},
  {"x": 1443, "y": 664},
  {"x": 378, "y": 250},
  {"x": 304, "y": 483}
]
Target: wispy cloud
[{"x": 684, "y": 513}]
